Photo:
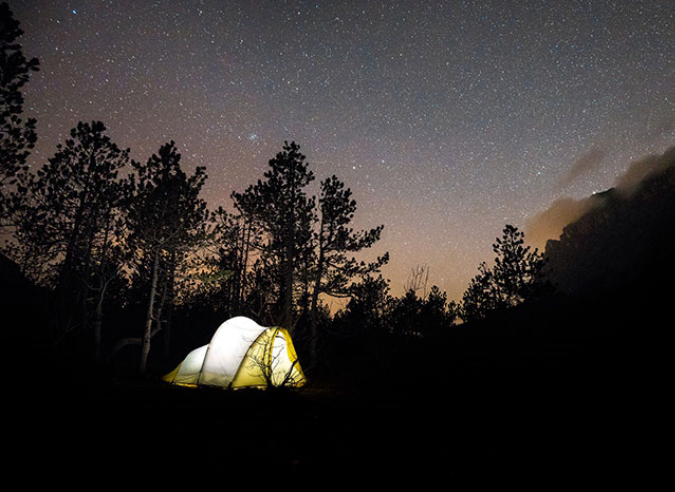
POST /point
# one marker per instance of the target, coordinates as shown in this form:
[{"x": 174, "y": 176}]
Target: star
[{"x": 464, "y": 114}]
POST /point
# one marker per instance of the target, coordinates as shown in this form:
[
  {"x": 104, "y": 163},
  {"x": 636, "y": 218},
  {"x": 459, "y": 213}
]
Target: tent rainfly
[{"x": 241, "y": 354}]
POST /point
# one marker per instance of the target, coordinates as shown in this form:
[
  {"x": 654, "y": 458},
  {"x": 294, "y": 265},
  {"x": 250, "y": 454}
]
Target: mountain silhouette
[{"x": 622, "y": 247}]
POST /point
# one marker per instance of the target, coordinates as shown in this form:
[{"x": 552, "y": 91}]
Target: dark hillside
[{"x": 623, "y": 248}]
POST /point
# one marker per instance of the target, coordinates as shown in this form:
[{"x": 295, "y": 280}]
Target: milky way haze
[{"x": 447, "y": 119}]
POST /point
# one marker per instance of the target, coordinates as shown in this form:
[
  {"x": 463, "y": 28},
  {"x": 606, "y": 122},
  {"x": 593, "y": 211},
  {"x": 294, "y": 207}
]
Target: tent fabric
[{"x": 241, "y": 354}]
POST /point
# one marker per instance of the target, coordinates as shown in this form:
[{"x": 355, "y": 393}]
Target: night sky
[{"x": 447, "y": 119}]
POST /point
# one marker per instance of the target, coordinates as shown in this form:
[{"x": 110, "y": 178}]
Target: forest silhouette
[{"x": 112, "y": 270}]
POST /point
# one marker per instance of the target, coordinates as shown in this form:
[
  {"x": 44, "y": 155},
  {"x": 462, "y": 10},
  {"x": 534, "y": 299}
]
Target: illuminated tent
[{"x": 241, "y": 354}]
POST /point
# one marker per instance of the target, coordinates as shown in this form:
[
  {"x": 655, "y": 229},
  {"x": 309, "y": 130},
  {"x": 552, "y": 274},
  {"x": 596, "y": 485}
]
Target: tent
[{"x": 241, "y": 354}]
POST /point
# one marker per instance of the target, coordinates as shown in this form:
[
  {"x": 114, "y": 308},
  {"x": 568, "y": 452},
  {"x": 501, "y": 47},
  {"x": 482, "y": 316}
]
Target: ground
[
  {"x": 544, "y": 428},
  {"x": 534, "y": 406}
]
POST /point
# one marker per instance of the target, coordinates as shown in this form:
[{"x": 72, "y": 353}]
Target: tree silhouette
[
  {"x": 420, "y": 316},
  {"x": 368, "y": 306},
  {"x": 68, "y": 231},
  {"x": 281, "y": 209},
  {"x": 480, "y": 297},
  {"x": 405, "y": 314},
  {"x": 436, "y": 312},
  {"x": 228, "y": 262},
  {"x": 166, "y": 218},
  {"x": 335, "y": 242},
  {"x": 513, "y": 279},
  {"x": 17, "y": 136}
]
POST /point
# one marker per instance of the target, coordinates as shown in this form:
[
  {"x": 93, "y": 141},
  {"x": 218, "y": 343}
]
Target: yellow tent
[{"x": 242, "y": 354}]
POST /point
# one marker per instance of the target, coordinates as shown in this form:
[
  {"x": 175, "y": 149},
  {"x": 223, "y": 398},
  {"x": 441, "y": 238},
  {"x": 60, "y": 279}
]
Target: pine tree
[
  {"x": 17, "y": 136},
  {"x": 369, "y": 305},
  {"x": 336, "y": 243},
  {"x": 480, "y": 297},
  {"x": 166, "y": 218},
  {"x": 280, "y": 208},
  {"x": 513, "y": 279},
  {"x": 69, "y": 227},
  {"x": 436, "y": 312},
  {"x": 231, "y": 261},
  {"x": 516, "y": 267}
]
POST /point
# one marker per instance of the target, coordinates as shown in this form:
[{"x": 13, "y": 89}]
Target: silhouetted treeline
[
  {"x": 515, "y": 277},
  {"x": 124, "y": 250},
  {"x": 112, "y": 257},
  {"x": 103, "y": 233},
  {"x": 119, "y": 245},
  {"x": 17, "y": 135}
]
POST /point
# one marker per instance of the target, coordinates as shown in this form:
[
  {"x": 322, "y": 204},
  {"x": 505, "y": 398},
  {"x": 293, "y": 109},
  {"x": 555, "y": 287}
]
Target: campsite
[
  {"x": 361, "y": 244},
  {"x": 564, "y": 388},
  {"x": 496, "y": 404}
]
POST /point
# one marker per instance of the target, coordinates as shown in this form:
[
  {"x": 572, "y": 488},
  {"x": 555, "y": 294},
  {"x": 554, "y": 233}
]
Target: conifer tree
[
  {"x": 69, "y": 227},
  {"x": 284, "y": 213},
  {"x": 513, "y": 279},
  {"x": 166, "y": 218},
  {"x": 17, "y": 136},
  {"x": 232, "y": 237},
  {"x": 369, "y": 305},
  {"x": 336, "y": 243}
]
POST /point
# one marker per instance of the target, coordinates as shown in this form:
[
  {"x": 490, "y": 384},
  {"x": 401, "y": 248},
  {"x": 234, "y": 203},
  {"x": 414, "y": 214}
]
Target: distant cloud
[
  {"x": 550, "y": 223},
  {"x": 587, "y": 162},
  {"x": 642, "y": 168}
]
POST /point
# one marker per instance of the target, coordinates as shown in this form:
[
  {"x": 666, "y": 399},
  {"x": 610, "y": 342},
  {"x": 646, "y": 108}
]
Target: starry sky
[{"x": 447, "y": 119}]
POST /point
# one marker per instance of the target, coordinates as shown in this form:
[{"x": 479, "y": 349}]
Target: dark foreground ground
[
  {"x": 546, "y": 399},
  {"x": 570, "y": 425}
]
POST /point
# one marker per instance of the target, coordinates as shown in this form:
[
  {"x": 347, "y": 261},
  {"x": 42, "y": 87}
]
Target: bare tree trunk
[
  {"x": 289, "y": 257},
  {"x": 163, "y": 313},
  {"x": 65, "y": 282},
  {"x": 147, "y": 335},
  {"x": 103, "y": 286},
  {"x": 62, "y": 321},
  {"x": 242, "y": 268},
  {"x": 314, "y": 322},
  {"x": 98, "y": 320},
  {"x": 84, "y": 274},
  {"x": 287, "y": 287},
  {"x": 313, "y": 315}
]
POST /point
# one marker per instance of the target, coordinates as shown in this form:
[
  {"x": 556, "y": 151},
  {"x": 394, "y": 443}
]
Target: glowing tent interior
[{"x": 241, "y": 354}]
